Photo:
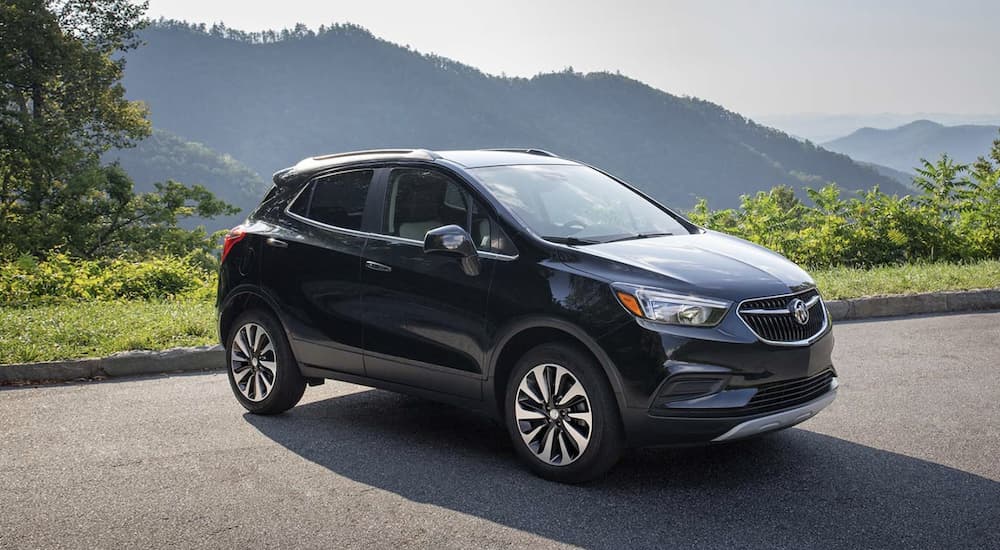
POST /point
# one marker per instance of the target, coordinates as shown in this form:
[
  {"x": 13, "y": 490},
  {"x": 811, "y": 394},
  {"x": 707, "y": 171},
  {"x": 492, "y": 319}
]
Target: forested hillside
[
  {"x": 163, "y": 156},
  {"x": 269, "y": 100}
]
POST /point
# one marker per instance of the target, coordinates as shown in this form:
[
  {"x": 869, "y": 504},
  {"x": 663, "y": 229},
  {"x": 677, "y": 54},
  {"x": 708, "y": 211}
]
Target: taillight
[{"x": 234, "y": 236}]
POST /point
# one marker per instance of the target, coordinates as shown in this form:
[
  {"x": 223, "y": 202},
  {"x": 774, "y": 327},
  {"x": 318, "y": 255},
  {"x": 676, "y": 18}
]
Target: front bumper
[
  {"x": 645, "y": 430},
  {"x": 691, "y": 386},
  {"x": 780, "y": 420}
]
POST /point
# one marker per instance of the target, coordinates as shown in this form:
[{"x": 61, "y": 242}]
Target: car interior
[{"x": 421, "y": 200}]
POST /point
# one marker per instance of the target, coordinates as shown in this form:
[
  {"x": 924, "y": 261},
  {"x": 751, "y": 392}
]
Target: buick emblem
[{"x": 799, "y": 311}]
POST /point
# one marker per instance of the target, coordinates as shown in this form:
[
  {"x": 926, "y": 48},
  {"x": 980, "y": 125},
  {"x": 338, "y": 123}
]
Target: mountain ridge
[
  {"x": 269, "y": 104},
  {"x": 901, "y": 148}
]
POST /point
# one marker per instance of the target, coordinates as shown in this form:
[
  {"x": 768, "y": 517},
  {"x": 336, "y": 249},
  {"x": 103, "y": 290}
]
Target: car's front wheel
[
  {"x": 562, "y": 415},
  {"x": 262, "y": 370}
]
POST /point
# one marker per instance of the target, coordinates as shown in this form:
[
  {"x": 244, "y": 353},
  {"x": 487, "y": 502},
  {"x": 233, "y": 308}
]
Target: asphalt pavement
[{"x": 907, "y": 457}]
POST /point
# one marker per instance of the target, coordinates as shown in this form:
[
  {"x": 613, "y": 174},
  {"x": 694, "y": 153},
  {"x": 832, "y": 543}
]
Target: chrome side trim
[
  {"x": 414, "y": 242},
  {"x": 782, "y": 419},
  {"x": 819, "y": 334},
  {"x": 391, "y": 238},
  {"x": 322, "y": 225}
]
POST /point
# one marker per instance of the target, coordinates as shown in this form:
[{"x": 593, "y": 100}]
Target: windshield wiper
[
  {"x": 572, "y": 241},
  {"x": 638, "y": 236}
]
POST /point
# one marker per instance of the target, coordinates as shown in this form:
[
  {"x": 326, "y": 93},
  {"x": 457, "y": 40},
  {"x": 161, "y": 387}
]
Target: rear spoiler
[{"x": 284, "y": 177}]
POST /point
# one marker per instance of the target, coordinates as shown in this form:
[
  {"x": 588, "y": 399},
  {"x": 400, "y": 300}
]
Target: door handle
[
  {"x": 375, "y": 266},
  {"x": 271, "y": 241}
]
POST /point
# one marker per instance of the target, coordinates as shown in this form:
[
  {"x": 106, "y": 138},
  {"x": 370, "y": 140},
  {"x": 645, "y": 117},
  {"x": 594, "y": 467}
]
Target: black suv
[{"x": 542, "y": 291}]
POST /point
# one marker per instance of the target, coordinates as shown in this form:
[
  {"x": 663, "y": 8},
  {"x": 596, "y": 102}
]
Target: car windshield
[{"x": 576, "y": 204}]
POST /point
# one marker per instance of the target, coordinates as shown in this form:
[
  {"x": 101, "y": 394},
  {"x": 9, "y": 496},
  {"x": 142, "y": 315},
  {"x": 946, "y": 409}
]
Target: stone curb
[
  {"x": 914, "y": 304},
  {"x": 126, "y": 363},
  {"x": 130, "y": 363}
]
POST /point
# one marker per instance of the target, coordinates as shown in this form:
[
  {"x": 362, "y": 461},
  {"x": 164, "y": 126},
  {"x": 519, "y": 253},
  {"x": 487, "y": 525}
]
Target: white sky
[{"x": 755, "y": 57}]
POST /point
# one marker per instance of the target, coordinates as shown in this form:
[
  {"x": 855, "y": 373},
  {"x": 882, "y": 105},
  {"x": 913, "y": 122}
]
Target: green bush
[
  {"x": 953, "y": 216},
  {"x": 60, "y": 278}
]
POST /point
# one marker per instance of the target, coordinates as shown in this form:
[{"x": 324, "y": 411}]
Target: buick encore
[{"x": 572, "y": 307}]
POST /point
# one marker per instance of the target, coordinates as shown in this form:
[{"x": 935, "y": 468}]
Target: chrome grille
[{"x": 773, "y": 321}]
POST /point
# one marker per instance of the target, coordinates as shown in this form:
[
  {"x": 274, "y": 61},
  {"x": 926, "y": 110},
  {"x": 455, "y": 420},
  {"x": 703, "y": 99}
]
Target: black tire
[
  {"x": 288, "y": 384},
  {"x": 606, "y": 436}
]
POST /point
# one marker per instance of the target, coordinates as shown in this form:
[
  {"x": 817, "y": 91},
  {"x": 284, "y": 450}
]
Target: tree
[{"x": 62, "y": 105}]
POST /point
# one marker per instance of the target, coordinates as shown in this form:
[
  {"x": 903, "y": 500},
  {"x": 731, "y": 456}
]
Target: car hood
[{"x": 708, "y": 264}]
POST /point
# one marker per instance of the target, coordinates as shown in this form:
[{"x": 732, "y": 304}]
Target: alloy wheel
[
  {"x": 553, "y": 414},
  {"x": 253, "y": 362}
]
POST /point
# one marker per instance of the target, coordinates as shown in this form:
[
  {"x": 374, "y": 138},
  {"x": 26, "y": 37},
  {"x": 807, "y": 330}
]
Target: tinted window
[
  {"x": 420, "y": 200},
  {"x": 572, "y": 201},
  {"x": 337, "y": 199}
]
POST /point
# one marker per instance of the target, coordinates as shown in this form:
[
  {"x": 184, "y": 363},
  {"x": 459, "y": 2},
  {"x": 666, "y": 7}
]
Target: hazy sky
[{"x": 755, "y": 57}]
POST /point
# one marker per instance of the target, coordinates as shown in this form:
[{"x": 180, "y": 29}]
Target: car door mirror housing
[{"x": 452, "y": 240}]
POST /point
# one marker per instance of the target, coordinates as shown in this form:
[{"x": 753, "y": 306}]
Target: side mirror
[{"x": 453, "y": 241}]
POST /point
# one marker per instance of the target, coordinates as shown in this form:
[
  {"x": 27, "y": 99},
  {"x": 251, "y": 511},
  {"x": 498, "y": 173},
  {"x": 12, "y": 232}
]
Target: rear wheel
[
  {"x": 562, "y": 415},
  {"x": 263, "y": 373}
]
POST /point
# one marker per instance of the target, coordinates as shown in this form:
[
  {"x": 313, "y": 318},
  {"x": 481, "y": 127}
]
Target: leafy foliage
[
  {"x": 61, "y": 278},
  {"x": 955, "y": 217},
  {"x": 63, "y": 105}
]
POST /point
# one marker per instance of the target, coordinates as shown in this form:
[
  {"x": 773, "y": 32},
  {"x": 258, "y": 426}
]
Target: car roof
[{"x": 478, "y": 158}]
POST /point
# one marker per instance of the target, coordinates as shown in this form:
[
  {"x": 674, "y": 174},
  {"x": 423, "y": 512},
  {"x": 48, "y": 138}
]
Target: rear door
[
  {"x": 424, "y": 318},
  {"x": 313, "y": 264}
]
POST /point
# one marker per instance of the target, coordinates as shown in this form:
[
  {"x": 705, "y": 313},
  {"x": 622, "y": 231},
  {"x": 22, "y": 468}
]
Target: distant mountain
[
  {"x": 902, "y": 148},
  {"x": 904, "y": 178},
  {"x": 822, "y": 127},
  {"x": 164, "y": 156},
  {"x": 271, "y": 103}
]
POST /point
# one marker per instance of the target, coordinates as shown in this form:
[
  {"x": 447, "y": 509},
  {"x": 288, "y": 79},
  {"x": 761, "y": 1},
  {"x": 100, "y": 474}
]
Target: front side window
[
  {"x": 337, "y": 200},
  {"x": 564, "y": 202},
  {"x": 419, "y": 200}
]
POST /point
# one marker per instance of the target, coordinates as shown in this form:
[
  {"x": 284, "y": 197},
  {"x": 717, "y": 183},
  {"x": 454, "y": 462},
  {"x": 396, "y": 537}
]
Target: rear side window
[{"x": 337, "y": 200}]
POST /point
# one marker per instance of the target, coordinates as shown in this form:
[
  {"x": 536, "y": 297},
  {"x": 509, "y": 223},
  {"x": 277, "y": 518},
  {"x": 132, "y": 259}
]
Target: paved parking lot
[{"x": 908, "y": 456}]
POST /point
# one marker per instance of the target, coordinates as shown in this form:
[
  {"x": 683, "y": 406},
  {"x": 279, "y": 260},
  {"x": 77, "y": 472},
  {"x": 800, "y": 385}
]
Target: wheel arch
[
  {"x": 241, "y": 299},
  {"x": 525, "y": 334}
]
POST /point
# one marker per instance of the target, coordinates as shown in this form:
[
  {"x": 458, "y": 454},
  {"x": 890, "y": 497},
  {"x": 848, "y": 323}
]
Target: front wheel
[
  {"x": 562, "y": 415},
  {"x": 263, "y": 372}
]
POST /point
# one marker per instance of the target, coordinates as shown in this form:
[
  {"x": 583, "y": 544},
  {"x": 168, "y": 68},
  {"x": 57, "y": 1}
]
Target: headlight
[{"x": 673, "y": 309}]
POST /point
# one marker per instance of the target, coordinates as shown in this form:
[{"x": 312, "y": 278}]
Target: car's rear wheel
[
  {"x": 262, "y": 371},
  {"x": 562, "y": 415}
]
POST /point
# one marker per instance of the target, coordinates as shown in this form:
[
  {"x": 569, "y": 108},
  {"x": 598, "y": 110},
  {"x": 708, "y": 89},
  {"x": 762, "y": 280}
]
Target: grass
[
  {"x": 97, "y": 329},
  {"x": 847, "y": 282}
]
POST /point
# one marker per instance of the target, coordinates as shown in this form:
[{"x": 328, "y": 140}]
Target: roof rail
[
  {"x": 423, "y": 152},
  {"x": 428, "y": 153},
  {"x": 539, "y": 152},
  {"x": 310, "y": 165}
]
